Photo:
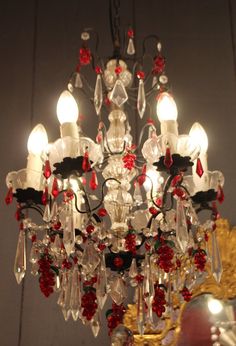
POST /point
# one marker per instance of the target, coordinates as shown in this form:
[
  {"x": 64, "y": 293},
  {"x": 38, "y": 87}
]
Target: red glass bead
[
  {"x": 129, "y": 161},
  {"x": 206, "y": 237},
  {"x": 159, "y": 202},
  {"x": 47, "y": 169},
  {"x": 33, "y": 238},
  {"x": 84, "y": 56},
  {"x": 57, "y": 225},
  {"x": 139, "y": 278},
  {"x": 142, "y": 178},
  {"x": 118, "y": 69},
  {"x": 9, "y": 196},
  {"x": 89, "y": 229},
  {"x": 118, "y": 262},
  {"x": 130, "y": 33},
  {"x": 179, "y": 192},
  {"x": 150, "y": 121},
  {"x": 45, "y": 196},
  {"x": 153, "y": 211},
  {"x": 220, "y": 194},
  {"x": 77, "y": 69},
  {"x": 98, "y": 70},
  {"x": 55, "y": 189},
  {"x": 93, "y": 183},
  {"x": 18, "y": 214},
  {"x": 102, "y": 212},
  {"x": 86, "y": 163},
  {"x": 176, "y": 180},
  {"x": 168, "y": 160},
  {"x": 159, "y": 64},
  {"x": 140, "y": 74},
  {"x": 199, "y": 168},
  {"x": 107, "y": 101},
  {"x": 101, "y": 246}
]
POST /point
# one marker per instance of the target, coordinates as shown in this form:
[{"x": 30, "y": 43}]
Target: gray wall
[{"x": 38, "y": 49}]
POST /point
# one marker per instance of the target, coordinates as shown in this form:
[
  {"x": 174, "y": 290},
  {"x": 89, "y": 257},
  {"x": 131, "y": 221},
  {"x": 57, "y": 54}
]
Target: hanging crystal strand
[
  {"x": 69, "y": 231},
  {"x": 140, "y": 310},
  {"x": 98, "y": 96},
  {"x": 168, "y": 296},
  {"x": 20, "y": 259},
  {"x": 141, "y": 100},
  {"x": 148, "y": 289},
  {"x": 66, "y": 306},
  {"x": 182, "y": 236},
  {"x": 95, "y": 324},
  {"x": 75, "y": 298},
  {"x": 101, "y": 286},
  {"x": 61, "y": 298},
  {"x": 216, "y": 264}
]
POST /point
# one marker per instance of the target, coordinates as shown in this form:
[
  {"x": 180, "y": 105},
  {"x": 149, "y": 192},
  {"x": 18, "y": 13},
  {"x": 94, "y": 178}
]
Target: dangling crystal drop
[
  {"x": 93, "y": 183},
  {"x": 140, "y": 310},
  {"x": 118, "y": 291},
  {"x": 90, "y": 259},
  {"x": 101, "y": 287},
  {"x": 154, "y": 82},
  {"x": 95, "y": 325},
  {"x": 56, "y": 245},
  {"x": 75, "y": 298},
  {"x": 119, "y": 95},
  {"x": 216, "y": 264},
  {"x": 47, "y": 169},
  {"x": 141, "y": 100},
  {"x": 69, "y": 231},
  {"x": 168, "y": 160},
  {"x": 220, "y": 194},
  {"x": 78, "y": 81},
  {"x": 9, "y": 196},
  {"x": 54, "y": 211},
  {"x": 98, "y": 96},
  {"x": 130, "y": 47},
  {"x": 86, "y": 163},
  {"x": 47, "y": 214},
  {"x": 34, "y": 254},
  {"x": 133, "y": 270},
  {"x": 199, "y": 168},
  {"x": 182, "y": 236},
  {"x": 55, "y": 189},
  {"x": 20, "y": 259},
  {"x": 45, "y": 196}
]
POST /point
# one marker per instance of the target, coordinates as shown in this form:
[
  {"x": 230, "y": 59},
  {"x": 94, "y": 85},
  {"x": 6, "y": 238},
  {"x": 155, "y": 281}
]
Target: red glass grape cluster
[
  {"x": 200, "y": 259},
  {"x": 166, "y": 254},
  {"x": 115, "y": 316},
  {"x": 187, "y": 295},
  {"x": 89, "y": 303},
  {"x": 159, "y": 301},
  {"x": 46, "y": 279},
  {"x": 130, "y": 242},
  {"x": 129, "y": 161}
]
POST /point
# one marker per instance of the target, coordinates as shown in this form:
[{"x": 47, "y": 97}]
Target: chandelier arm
[
  {"x": 96, "y": 40},
  {"x": 142, "y": 133},
  {"x": 33, "y": 207}
]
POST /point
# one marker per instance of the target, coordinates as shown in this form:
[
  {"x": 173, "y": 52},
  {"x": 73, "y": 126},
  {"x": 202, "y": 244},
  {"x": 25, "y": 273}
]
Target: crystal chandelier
[{"x": 108, "y": 214}]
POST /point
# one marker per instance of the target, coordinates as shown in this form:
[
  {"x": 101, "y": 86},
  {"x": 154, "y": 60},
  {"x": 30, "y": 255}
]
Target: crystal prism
[
  {"x": 133, "y": 271},
  {"x": 75, "y": 298},
  {"x": 69, "y": 232},
  {"x": 182, "y": 236},
  {"x": 98, "y": 96},
  {"x": 78, "y": 81},
  {"x": 118, "y": 291},
  {"x": 95, "y": 325},
  {"x": 34, "y": 254},
  {"x": 101, "y": 287},
  {"x": 216, "y": 264},
  {"x": 140, "y": 310},
  {"x": 130, "y": 47},
  {"x": 141, "y": 100},
  {"x": 20, "y": 259},
  {"x": 119, "y": 95},
  {"x": 137, "y": 194},
  {"x": 47, "y": 214},
  {"x": 90, "y": 259}
]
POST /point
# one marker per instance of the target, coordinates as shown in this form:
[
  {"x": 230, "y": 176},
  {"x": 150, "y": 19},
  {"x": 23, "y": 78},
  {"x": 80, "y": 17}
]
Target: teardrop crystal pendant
[
  {"x": 140, "y": 310},
  {"x": 78, "y": 81},
  {"x": 118, "y": 291},
  {"x": 69, "y": 232},
  {"x": 137, "y": 194},
  {"x": 95, "y": 325},
  {"x": 75, "y": 298},
  {"x": 168, "y": 160},
  {"x": 119, "y": 95},
  {"x": 55, "y": 189},
  {"x": 182, "y": 236},
  {"x": 141, "y": 100},
  {"x": 101, "y": 287},
  {"x": 216, "y": 264},
  {"x": 199, "y": 168},
  {"x": 47, "y": 214},
  {"x": 133, "y": 271},
  {"x": 130, "y": 47},
  {"x": 98, "y": 96},
  {"x": 47, "y": 169},
  {"x": 93, "y": 183},
  {"x": 20, "y": 259}
]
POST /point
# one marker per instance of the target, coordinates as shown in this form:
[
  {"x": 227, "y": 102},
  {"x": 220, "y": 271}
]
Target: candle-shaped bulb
[
  {"x": 199, "y": 137},
  {"x": 67, "y": 108},
  {"x": 38, "y": 140},
  {"x": 166, "y": 107}
]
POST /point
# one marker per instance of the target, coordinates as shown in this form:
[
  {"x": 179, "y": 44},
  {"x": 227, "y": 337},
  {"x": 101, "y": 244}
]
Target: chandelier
[{"x": 107, "y": 215}]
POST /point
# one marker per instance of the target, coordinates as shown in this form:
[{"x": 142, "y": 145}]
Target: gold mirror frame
[{"x": 226, "y": 238}]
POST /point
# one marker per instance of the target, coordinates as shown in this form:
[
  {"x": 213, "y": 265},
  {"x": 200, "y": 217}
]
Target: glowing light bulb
[
  {"x": 67, "y": 109},
  {"x": 166, "y": 107},
  {"x": 38, "y": 140},
  {"x": 215, "y": 306},
  {"x": 199, "y": 136}
]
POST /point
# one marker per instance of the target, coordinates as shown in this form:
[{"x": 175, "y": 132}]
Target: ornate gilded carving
[{"x": 226, "y": 238}]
